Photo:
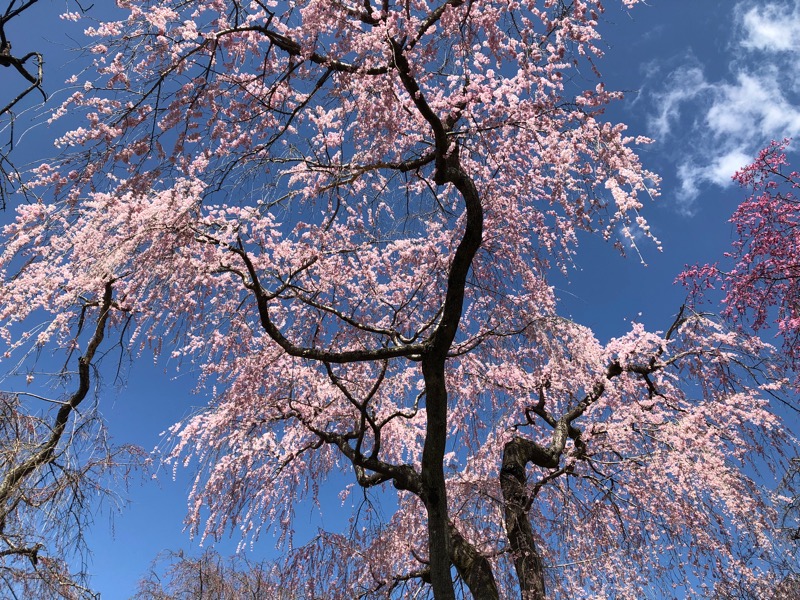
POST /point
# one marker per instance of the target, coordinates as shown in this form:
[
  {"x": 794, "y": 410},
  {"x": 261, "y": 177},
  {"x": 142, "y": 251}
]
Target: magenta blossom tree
[
  {"x": 339, "y": 217},
  {"x": 761, "y": 274}
]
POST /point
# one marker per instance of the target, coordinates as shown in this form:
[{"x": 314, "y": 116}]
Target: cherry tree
[
  {"x": 339, "y": 218},
  {"x": 762, "y": 285},
  {"x": 760, "y": 276}
]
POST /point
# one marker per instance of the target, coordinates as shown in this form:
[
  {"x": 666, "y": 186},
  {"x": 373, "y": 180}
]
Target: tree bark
[
  {"x": 434, "y": 492},
  {"x": 447, "y": 169},
  {"x": 516, "y": 504},
  {"x": 473, "y": 567}
]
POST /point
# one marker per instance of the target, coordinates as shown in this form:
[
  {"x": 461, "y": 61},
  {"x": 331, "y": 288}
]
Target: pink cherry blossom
[{"x": 760, "y": 276}]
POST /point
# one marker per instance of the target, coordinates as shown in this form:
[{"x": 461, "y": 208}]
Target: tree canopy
[{"x": 341, "y": 218}]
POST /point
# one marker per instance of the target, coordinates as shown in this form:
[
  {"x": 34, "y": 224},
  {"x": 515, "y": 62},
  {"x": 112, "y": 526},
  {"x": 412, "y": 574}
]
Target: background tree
[
  {"x": 55, "y": 466},
  {"x": 174, "y": 576},
  {"x": 761, "y": 277},
  {"x": 55, "y": 460},
  {"x": 340, "y": 217}
]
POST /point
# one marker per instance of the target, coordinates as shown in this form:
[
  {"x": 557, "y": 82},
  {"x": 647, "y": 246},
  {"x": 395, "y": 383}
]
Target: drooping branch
[
  {"x": 45, "y": 453},
  {"x": 292, "y": 349},
  {"x": 520, "y": 451}
]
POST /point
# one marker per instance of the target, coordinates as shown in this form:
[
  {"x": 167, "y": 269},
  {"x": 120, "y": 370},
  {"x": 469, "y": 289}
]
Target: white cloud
[
  {"x": 693, "y": 174},
  {"x": 722, "y": 169},
  {"x": 771, "y": 28},
  {"x": 755, "y": 105},
  {"x": 733, "y": 117}
]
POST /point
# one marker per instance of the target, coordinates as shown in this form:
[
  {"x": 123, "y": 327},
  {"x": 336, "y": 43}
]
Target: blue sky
[{"x": 712, "y": 81}]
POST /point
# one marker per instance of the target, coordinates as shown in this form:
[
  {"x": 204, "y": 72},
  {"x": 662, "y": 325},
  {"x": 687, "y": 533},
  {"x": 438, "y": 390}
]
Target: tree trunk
[
  {"x": 434, "y": 492},
  {"x": 473, "y": 567},
  {"x": 527, "y": 561}
]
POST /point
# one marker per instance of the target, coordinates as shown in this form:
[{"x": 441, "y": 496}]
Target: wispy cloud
[
  {"x": 723, "y": 122},
  {"x": 683, "y": 85},
  {"x": 693, "y": 174}
]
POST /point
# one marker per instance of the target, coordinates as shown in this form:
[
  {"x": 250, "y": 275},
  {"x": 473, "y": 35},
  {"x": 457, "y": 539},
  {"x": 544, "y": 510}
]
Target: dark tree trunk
[
  {"x": 527, "y": 561},
  {"x": 474, "y": 568},
  {"x": 448, "y": 170},
  {"x": 434, "y": 492}
]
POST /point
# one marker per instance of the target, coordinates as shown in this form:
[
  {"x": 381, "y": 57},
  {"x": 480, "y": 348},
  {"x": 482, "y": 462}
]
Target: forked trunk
[{"x": 527, "y": 561}]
